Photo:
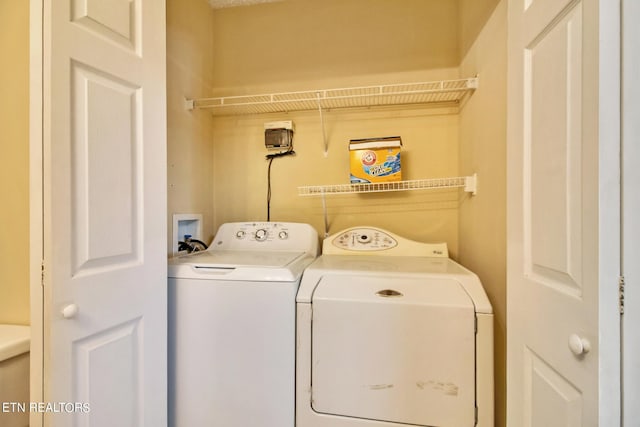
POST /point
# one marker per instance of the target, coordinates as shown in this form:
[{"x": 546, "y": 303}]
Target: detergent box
[{"x": 375, "y": 160}]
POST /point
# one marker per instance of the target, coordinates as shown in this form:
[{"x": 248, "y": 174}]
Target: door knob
[
  {"x": 70, "y": 311},
  {"x": 579, "y": 346}
]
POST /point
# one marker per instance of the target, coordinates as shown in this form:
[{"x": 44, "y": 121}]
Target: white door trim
[
  {"x": 631, "y": 206},
  {"x": 609, "y": 212}
]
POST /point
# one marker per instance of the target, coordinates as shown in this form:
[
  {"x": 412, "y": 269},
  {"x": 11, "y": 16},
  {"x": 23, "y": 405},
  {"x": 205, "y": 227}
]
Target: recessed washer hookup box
[{"x": 375, "y": 160}]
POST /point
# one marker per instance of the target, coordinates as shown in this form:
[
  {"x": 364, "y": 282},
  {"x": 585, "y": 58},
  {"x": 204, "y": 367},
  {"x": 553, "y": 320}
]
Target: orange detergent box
[{"x": 375, "y": 160}]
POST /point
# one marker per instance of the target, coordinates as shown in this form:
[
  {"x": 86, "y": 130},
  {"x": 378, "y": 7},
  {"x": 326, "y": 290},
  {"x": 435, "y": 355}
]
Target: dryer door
[{"x": 394, "y": 349}]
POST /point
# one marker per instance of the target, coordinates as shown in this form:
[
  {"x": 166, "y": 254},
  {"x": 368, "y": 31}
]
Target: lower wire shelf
[{"x": 468, "y": 183}]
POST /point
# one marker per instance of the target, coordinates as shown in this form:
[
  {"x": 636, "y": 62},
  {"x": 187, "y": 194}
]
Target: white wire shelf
[
  {"x": 468, "y": 183},
  {"x": 438, "y": 92}
]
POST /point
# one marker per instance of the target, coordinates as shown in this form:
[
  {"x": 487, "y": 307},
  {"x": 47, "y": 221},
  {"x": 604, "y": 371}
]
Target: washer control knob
[
  {"x": 283, "y": 235},
  {"x": 240, "y": 234},
  {"x": 261, "y": 234}
]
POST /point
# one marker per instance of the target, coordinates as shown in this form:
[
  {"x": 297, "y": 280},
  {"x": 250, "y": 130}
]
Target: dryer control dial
[{"x": 364, "y": 238}]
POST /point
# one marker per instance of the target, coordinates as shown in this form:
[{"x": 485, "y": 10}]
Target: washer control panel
[
  {"x": 364, "y": 239},
  {"x": 283, "y": 236},
  {"x": 261, "y": 232}
]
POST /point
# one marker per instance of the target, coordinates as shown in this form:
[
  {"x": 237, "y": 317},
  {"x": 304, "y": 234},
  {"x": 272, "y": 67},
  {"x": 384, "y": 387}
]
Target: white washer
[
  {"x": 391, "y": 333},
  {"x": 232, "y": 326}
]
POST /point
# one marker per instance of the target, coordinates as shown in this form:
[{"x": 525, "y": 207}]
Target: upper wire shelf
[{"x": 445, "y": 91}]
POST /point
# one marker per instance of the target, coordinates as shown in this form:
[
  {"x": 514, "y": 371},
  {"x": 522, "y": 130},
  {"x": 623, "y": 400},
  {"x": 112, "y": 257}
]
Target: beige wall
[
  {"x": 430, "y": 150},
  {"x": 189, "y": 149},
  {"x": 301, "y": 44},
  {"x": 14, "y": 168},
  {"x": 336, "y": 43},
  {"x": 473, "y": 16},
  {"x": 483, "y": 150}
]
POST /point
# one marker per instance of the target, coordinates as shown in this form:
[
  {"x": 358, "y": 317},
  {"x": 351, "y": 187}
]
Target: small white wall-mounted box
[{"x": 185, "y": 224}]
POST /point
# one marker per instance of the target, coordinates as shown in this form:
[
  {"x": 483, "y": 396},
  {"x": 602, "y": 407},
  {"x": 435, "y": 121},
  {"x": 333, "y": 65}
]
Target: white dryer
[
  {"x": 232, "y": 326},
  {"x": 391, "y": 333}
]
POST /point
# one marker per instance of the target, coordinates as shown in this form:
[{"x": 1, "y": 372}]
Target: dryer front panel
[{"x": 399, "y": 350}]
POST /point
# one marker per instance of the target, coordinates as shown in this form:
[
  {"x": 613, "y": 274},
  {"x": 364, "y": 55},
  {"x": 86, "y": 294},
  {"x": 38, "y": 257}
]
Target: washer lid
[
  {"x": 390, "y": 268},
  {"x": 240, "y": 265},
  {"x": 406, "y": 358},
  {"x": 426, "y": 291}
]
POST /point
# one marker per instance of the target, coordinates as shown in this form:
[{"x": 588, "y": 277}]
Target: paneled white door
[
  {"x": 563, "y": 213},
  {"x": 104, "y": 175}
]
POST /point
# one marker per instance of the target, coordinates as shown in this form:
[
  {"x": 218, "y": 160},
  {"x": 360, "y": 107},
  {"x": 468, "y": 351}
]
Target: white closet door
[
  {"x": 104, "y": 174},
  {"x": 563, "y": 202}
]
